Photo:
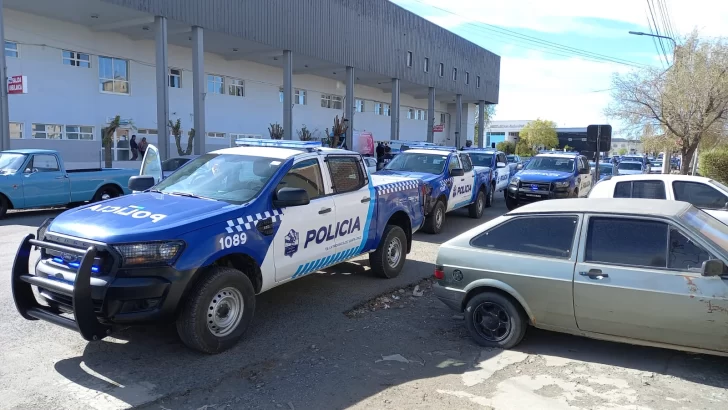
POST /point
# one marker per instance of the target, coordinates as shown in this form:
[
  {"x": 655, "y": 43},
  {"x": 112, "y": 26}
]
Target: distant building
[{"x": 631, "y": 145}]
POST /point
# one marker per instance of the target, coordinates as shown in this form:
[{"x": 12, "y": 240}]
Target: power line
[{"x": 657, "y": 31}]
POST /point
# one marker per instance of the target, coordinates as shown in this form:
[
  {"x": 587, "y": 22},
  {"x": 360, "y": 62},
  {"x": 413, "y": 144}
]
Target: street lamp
[{"x": 639, "y": 33}]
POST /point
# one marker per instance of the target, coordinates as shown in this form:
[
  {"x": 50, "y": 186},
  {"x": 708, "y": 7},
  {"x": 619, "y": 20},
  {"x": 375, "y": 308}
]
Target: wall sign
[
  {"x": 18, "y": 84},
  {"x": 438, "y": 128}
]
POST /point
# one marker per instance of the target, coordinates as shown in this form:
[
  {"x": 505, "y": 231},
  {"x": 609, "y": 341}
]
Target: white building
[{"x": 85, "y": 61}]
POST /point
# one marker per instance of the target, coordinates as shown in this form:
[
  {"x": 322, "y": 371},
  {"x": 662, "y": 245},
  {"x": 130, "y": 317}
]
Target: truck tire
[
  {"x": 511, "y": 203},
  {"x": 493, "y": 320},
  {"x": 217, "y": 311},
  {"x": 387, "y": 261},
  {"x": 4, "y": 205},
  {"x": 106, "y": 192},
  {"x": 490, "y": 197},
  {"x": 475, "y": 210},
  {"x": 436, "y": 220}
]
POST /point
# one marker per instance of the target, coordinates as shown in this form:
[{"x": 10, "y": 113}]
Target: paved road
[{"x": 313, "y": 345}]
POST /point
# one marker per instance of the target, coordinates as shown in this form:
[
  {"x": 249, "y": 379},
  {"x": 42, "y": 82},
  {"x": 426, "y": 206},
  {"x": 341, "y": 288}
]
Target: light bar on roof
[
  {"x": 432, "y": 147},
  {"x": 258, "y": 142}
]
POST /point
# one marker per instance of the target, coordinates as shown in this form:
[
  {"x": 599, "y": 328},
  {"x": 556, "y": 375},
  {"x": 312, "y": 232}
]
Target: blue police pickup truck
[
  {"x": 37, "y": 178},
  {"x": 452, "y": 181},
  {"x": 500, "y": 170},
  {"x": 199, "y": 245},
  {"x": 550, "y": 175}
]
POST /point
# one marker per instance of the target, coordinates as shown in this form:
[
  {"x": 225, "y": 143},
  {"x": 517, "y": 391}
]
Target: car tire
[
  {"x": 436, "y": 220},
  {"x": 106, "y": 192},
  {"x": 495, "y": 321},
  {"x": 388, "y": 260},
  {"x": 4, "y": 205},
  {"x": 220, "y": 294},
  {"x": 475, "y": 210},
  {"x": 511, "y": 203}
]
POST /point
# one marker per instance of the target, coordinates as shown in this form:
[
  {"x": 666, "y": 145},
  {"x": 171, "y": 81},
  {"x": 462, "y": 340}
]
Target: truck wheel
[
  {"x": 105, "y": 192},
  {"x": 218, "y": 311},
  {"x": 475, "y": 210},
  {"x": 435, "y": 221},
  {"x": 387, "y": 261},
  {"x": 495, "y": 321},
  {"x": 4, "y": 205},
  {"x": 511, "y": 203},
  {"x": 491, "y": 197}
]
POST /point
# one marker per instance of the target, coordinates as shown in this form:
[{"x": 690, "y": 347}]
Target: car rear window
[
  {"x": 640, "y": 189},
  {"x": 541, "y": 235}
]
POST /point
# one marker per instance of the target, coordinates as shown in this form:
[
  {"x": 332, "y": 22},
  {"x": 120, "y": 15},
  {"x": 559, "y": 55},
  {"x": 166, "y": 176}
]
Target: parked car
[
  {"x": 37, "y": 178},
  {"x": 638, "y": 158},
  {"x": 656, "y": 167},
  {"x": 627, "y": 167},
  {"x": 371, "y": 164},
  {"x": 639, "y": 271},
  {"x": 707, "y": 194},
  {"x": 198, "y": 246},
  {"x": 452, "y": 182},
  {"x": 500, "y": 170},
  {"x": 173, "y": 164},
  {"x": 548, "y": 176}
]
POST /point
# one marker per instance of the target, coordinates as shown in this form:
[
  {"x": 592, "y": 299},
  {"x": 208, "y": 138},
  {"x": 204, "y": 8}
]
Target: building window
[
  {"x": 299, "y": 97},
  {"x": 236, "y": 87},
  {"x": 385, "y": 110},
  {"x": 11, "y": 49},
  {"x": 79, "y": 132},
  {"x": 146, "y": 131},
  {"x": 477, "y": 81},
  {"x": 216, "y": 134},
  {"x": 331, "y": 101},
  {"x": 454, "y": 74},
  {"x": 410, "y": 114},
  {"x": 16, "y": 130},
  {"x": 215, "y": 84},
  {"x": 421, "y": 115},
  {"x": 76, "y": 59},
  {"x": 378, "y": 108},
  {"x": 113, "y": 75},
  {"x": 359, "y": 105},
  {"x": 48, "y": 131},
  {"x": 175, "y": 78},
  {"x": 443, "y": 117},
  {"x": 427, "y": 65},
  {"x": 441, "y": 70},
  {"x": 467, "y": 78},
  {"x": 409, "y": 59}
]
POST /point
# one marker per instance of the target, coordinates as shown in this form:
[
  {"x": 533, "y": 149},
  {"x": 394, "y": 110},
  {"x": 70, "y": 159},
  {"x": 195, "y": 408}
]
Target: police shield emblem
[{"x": 291, "y": 244}]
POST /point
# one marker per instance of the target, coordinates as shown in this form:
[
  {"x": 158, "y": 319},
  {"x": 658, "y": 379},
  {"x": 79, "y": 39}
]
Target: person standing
[
  {"x": 134, "y": 148},
  {"x": 380, "y": 155},
  {"x": 143, "y": 146}
]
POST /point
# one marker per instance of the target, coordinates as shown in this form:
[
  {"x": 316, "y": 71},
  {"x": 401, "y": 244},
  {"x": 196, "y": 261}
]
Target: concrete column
[
  {"x": 430, "y": 114},
  {"x": 287, "y": 95},
  {"x": 4, "y": 116},
  {"x": 160, "y": 27},
  {"x": 459, "y": 121},
  {"x": 394, "y": 109},
  {"x": 481, "y": 123},
  {"x": 349, "y": 108},
  {"x": 198, "y": 89}
]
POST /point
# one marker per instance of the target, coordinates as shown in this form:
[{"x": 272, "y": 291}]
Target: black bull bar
[{"x": 27, "y": 305}]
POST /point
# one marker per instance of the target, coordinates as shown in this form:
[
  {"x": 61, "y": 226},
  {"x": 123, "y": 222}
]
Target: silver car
[{"x": 640, "y": 271}]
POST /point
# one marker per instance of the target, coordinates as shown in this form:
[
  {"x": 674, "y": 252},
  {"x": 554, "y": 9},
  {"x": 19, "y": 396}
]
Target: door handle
[
  {"x": 462, "y": 179},
  {"x": 594, "y": 274},
  {"x": 324, "y": 211},
  {"x": 61, "y": 177},
  {"x": 365, "y": 199}
]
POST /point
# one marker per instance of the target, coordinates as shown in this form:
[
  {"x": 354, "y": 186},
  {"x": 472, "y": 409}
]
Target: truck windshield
[
  {"x": 411, "y": 162},
  {"x": 481, "y": 159},
  {"x": 606, "y": 169},
  {"x": 224, "y": 177},
  {"x": 551, "y": 164},
  {"x": 10, "y": 163},
  {"x": 630, "y": 166}
]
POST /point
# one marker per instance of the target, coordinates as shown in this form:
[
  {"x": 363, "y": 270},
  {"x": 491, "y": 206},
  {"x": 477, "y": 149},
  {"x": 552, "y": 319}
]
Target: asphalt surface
[{"x": 327, "y": 342}]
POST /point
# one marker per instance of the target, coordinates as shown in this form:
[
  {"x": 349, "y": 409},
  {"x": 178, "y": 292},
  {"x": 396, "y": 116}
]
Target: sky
[{"x": 539, "y": 81}]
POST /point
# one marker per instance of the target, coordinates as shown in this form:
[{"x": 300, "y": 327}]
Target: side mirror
[
  {"x": 457, "y": 172},
  {"x": 583, "y": 171},
  {"x": 141, "y": 182},
  {"x": 713, "y": 267},
  {"x": 519, "y": 167},
  {"x": 291, "y": 197},
  {"x": 500, "y": 165}
]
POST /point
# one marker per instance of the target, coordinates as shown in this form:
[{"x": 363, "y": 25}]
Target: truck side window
[
  {"x": 44, "y": 163},
  {"x": 454, "y": 163},
  {"x": 467, "y": 165},
  {"x": 346, "y": 173},
  {"x": 305, "y": 175},
  {"x": 698, "y": 194}
]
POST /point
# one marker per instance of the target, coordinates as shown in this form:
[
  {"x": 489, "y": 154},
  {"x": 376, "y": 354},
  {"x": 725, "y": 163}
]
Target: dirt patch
[{"x": 394, "y": 299}]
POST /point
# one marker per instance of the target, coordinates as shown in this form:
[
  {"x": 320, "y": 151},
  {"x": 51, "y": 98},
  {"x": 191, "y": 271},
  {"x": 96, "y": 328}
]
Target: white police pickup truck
[{"x": 199, "y": 245}]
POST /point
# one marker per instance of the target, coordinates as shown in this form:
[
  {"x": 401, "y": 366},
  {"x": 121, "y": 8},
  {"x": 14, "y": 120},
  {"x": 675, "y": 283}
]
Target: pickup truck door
[
  {"x": 301, "y": 240},
  {"x": 502, "y": 174},
  {"x": 152, "y": 163},
  {"x": 708, "y": 197},
  {"x": 639, "y": 277},
  {"x": 45, "y": 183},
  {"x": 355, "y": 201},
  {"x": 461, "y": 190},
  {"x": 583, "y": 180}
]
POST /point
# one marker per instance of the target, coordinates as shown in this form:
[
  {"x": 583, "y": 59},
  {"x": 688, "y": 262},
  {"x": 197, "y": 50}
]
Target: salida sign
[
  {"x": 18, "y": 84},
  {"x": 438, "y": 128}
]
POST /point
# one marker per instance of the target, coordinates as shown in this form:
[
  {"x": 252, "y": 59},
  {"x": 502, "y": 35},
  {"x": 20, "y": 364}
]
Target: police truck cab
[{"x": 198, "y": 246}]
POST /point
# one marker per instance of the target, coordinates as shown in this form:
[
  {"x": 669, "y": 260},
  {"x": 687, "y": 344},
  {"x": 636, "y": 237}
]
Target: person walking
[
  {"x": 134, "y": 148},
  {"x": 143, "y": 146}
]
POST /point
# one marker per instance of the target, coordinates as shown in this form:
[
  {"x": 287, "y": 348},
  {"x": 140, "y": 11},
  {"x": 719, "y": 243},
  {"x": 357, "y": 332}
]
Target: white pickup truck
[{"x": 707, "y": 194}]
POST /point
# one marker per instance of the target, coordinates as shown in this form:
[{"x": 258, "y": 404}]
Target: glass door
[{"x": 122, "y": 152}]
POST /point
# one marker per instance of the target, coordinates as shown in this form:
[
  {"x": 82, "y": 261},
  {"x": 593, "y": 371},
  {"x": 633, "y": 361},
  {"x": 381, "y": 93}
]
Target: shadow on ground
[{"x": 31, "y": 218}]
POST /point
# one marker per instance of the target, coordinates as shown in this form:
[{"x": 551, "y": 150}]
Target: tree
[
  {"x": 622, "y": 151},
  {"x": 507, "y": 147},
  {"x": 340, "y": 127},
  {"x": 523, "y": 149},
  {"x": 176, "y": 129},
  {"x": 487, "y": 118},
  {"x": 108, "y": 139},
  {"x": 687, "y": 104},
  {"x": 276, "y": 131},
  {"x": 540, "y": 134}
]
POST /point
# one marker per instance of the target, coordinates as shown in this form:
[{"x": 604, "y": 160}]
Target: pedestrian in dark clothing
[
  {"x": 134, "y": 148},
  {"x": 143, "y": 146}
]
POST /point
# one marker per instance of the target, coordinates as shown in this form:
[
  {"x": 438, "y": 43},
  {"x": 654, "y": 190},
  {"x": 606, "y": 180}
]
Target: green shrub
[
  {"x": 506, "y": 146},
  {"x": 714, "y": 164}
]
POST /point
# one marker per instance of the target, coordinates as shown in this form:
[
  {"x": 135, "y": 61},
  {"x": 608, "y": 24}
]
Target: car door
[
  {"x": 502, "y": 174},
  {"x": 469, "y": 170},
  {"x": 460, "y": 191},
  {"x": 152, "y": 163},
  {"x": 702, "y": 196},
  {"x": 44, "y": 183},
  {"x": 584, "y": 179},
  {"x": 300, "y": 240},
  {"x": 639, "y": 277}
]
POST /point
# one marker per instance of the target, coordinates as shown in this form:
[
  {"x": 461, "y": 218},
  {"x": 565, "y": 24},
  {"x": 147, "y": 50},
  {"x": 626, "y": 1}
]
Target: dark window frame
[
  {"x": 322, "y": 188},
  {"x": 674, "y": 192},
  {"x": 363, "y": 176},
  {"x": 466, "y": 162},
  {"x": 588, "y": 228},
  {"x": 450, "y": 162},
  {"x": 632, "y": 186}
]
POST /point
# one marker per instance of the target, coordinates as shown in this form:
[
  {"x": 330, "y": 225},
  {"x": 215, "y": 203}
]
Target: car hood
[
  {"x": 419, "y": 175},
  {"x": 543, "y": 175},
  {"x": 140, "y": 217}
]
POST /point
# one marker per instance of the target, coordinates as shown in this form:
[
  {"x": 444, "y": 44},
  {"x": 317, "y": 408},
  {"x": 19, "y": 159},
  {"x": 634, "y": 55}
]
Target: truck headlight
[
  {"x": 515, "y": 181},
  {"x": 562, "y": 184},
  {"x": 149, "y": 253}
]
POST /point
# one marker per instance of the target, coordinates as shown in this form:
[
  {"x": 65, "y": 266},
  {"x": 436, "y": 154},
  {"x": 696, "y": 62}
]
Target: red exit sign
[{"x": 18, "y": 84}]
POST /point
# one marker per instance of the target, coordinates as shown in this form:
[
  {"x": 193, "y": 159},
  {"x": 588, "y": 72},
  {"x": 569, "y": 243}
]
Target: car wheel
[
  {"x": 511, "y": 203},
  {"x": 436, "y": 220},
  {"x": 491, "y": 197},
  {"x": 475, "y": 210},
  {"x": 218, "y": 311},
  {"x": 493, "y": 320},
  {"x": 106, "y": 192},
  {"x": 4, "y": 205},
  {"x": 388, "y": 260}
]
